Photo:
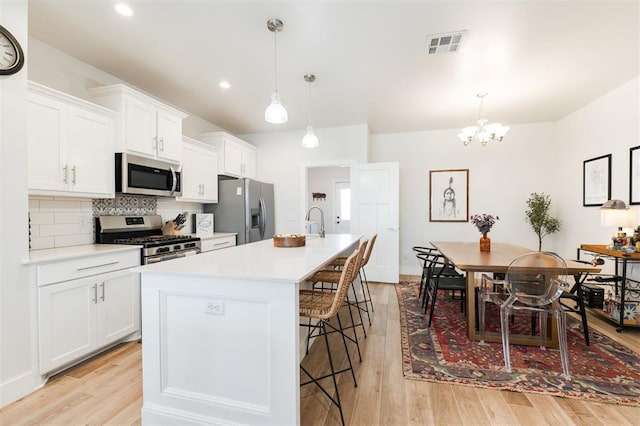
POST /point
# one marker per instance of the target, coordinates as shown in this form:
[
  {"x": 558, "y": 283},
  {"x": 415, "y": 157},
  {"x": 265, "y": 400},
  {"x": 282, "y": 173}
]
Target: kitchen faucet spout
[{"x": 321, "y": 219}]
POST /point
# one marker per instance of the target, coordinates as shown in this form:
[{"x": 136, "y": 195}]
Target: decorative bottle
[{"x": 485, "y": 242}]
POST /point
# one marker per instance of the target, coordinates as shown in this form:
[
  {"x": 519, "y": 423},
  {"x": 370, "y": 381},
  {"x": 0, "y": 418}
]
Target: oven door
[
  {"x": 147, "y": 260},
  {"x": 139, "y": 175}
]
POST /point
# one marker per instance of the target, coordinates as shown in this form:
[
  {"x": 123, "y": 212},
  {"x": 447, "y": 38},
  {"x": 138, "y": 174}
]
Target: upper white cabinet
[
  {"x": 237, "y": 158},
  {"x": 71, "y": 145},
  {"x": 199, "y": 172},
  {"x": 146, "y": 126}
]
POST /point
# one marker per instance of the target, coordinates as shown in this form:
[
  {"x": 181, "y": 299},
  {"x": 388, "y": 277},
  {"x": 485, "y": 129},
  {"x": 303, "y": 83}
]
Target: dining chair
[
  {"x": 534, "y": 283},
  {"x": 441, "y": 275},
  {"x": 323, "y": 306}
]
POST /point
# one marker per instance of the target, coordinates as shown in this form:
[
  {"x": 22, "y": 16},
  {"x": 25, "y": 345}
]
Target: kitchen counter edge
[{"x": 74, "y": 252}]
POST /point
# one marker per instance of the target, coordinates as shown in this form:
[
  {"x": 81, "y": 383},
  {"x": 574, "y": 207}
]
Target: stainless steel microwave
[{"x": 139, "y": 175}]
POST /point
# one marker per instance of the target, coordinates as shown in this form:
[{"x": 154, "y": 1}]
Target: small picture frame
[
  {"x": 596, "y": 181},
  {"x": 449, "y": 195},
  {"x": 634, "y": 175}
]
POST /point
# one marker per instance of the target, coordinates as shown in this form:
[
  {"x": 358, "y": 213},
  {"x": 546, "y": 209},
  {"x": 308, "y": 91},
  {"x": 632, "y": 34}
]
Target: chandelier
[{"x": 483, "y": 131}]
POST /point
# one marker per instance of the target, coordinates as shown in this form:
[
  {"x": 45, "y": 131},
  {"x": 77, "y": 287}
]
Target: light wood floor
[{"x": 107, "y": 390}]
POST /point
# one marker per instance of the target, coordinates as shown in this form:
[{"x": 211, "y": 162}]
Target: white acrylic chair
[{"x": 533, "y": 282}]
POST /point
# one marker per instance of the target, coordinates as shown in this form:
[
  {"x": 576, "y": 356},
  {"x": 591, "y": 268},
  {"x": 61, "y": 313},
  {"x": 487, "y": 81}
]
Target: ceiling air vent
[{"x": 445, "y": 43}]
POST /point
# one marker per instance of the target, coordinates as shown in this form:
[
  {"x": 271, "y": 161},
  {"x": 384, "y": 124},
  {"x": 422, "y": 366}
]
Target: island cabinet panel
[{"x": 221, "y": 347}]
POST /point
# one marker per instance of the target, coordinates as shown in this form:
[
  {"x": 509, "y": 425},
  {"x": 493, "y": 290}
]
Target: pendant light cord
[{"x": 275, "y": 57}]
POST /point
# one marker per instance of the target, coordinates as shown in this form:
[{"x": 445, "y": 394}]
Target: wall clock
[{"x": 11, "y": 56}]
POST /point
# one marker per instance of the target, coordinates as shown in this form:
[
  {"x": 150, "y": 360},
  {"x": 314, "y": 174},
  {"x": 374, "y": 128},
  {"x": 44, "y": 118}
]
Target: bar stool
[
  {"x": 364, "y": 283},
  {"x": 322, "y": 306},
  {"x": 333, "y": 277}
]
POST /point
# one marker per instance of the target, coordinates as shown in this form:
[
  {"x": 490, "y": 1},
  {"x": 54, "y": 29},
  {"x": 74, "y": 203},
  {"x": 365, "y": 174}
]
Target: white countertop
[
  {"x": 259, "y": 260},
  {"x": 74, "y": 252}
]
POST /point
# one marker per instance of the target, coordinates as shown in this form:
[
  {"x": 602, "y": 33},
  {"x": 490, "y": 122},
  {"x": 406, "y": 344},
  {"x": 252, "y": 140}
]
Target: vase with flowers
[{"x": 484, "y": 222}]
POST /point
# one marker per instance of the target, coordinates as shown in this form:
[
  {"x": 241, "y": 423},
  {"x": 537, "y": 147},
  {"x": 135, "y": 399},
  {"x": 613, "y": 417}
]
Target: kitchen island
[{"x": 221, "y": 333}]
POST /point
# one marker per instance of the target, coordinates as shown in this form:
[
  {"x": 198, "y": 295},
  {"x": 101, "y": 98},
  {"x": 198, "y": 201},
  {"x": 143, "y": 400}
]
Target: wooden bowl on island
[{"x": 289, "y": 240}]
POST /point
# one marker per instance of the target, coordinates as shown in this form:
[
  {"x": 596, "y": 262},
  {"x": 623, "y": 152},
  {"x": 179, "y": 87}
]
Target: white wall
[
  {"x": 281, "y": 160},
  {"x": 609, "y": 125},
  {"x": 501, "y": 178},
  {"x": 16, "y": 328}
]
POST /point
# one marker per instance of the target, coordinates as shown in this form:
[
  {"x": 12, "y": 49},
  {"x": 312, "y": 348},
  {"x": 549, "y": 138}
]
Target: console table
[{"x": 621, "y": 258}]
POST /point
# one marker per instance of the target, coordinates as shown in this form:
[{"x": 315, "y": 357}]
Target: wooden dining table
[{"x": 467, "y": 257}]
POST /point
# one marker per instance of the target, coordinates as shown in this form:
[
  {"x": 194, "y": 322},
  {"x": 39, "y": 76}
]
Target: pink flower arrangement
[{"x": 483, "y": 221}]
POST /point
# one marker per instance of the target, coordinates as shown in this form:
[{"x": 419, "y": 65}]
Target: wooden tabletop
[
  {"x": 468, "y": 257},
  {"x": 602, "y": 249}
]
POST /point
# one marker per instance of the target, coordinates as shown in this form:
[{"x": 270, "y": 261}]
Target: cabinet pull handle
[
  {"x": 66, "y": 173},
  {"x": 161, "y": 144},
  {"x": 221, "y": 244},
  {"x": 73, "y": 175},
  {"x": 102, "y": 288},
  {"x": 95, "y": 293},
  {"x": 98, "y": 266}
]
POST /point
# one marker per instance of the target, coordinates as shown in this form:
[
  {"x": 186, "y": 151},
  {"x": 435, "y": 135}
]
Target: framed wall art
[
  {"x": 634, "y": 175},
  {"x": 449, "y": 195},
  {"x": 596, "y": 181}
]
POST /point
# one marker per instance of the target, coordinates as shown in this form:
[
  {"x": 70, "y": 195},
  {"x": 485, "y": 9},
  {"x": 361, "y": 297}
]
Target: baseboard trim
[{"x": 17, "y": 387}]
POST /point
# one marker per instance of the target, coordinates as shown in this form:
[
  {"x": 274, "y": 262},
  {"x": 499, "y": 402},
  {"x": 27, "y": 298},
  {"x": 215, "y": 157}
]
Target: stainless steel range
[{"x": 147, "y": 232}]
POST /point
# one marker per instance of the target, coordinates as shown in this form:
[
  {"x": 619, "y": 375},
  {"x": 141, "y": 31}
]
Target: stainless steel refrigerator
[{"x": 245, "y": 206}]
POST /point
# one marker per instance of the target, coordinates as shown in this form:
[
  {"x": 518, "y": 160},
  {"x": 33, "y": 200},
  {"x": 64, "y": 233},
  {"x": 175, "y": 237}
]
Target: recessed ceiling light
[
  {"x": 123, "y": 9},
  {"x": 225, "y": 84}
]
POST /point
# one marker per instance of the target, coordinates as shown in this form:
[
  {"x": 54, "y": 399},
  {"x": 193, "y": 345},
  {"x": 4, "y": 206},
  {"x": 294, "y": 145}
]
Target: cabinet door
[
  {"x": 249, "y": 158},
  {"x": 66, "y": 322},
  {"x": 140, "y": 127},
  {"x": 209, "y": 176},
  {"x": 46, "y": 128},
  {"x": 90, "y": 152},
  {"x": 232, "y": 158},
  {"x": 118, "y": 305},
  {"x": 191, "y": 178},
  {"x": 169, "y": 136}
]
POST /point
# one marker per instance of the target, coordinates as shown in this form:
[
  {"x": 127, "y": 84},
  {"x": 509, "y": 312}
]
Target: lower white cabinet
[
  {"x": 80, "y": 316},
  {"x": 209, "y": 244}
]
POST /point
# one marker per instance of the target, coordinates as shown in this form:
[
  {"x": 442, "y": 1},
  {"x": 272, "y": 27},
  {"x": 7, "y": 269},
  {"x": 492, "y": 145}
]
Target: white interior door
[
  {"x": 342, "y": 207},
  {"x": 375, "y": 194}
]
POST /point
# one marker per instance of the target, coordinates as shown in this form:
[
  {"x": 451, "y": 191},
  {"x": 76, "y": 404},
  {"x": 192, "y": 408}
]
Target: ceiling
[{"x": 538, "y": 60}]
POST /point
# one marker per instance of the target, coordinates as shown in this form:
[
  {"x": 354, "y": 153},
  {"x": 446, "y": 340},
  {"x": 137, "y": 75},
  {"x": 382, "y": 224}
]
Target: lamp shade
[
  {"x": 616, "y": 213},
  {"x": 310, "y": 140},
  {"x": 275, "y": 112}
]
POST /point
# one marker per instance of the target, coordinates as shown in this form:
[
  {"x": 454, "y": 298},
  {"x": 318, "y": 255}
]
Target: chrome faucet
[{"x": 321, "y": 219}]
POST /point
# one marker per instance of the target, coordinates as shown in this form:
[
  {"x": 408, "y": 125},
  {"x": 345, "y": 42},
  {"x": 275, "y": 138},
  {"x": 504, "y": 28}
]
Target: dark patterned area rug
[{"x": 605, "y": 371}]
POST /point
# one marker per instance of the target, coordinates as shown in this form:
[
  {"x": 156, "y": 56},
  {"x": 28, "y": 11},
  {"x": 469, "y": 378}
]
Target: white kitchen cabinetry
[
  {"x": 146, "y": 126},
  {"x": 85, "y": 305},
  {"x": 199, "y": 172},
  {"x": 71, "y": 145},
  {"x": 217, "y": 243},
  {"x": 237, "y": 158}
]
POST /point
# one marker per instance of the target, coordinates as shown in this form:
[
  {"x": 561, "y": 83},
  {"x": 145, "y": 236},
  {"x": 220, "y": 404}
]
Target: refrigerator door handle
[{"x": 263, "y": 217}]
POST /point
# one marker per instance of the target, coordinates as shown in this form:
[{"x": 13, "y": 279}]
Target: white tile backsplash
[{"x": 63, "y": 221}]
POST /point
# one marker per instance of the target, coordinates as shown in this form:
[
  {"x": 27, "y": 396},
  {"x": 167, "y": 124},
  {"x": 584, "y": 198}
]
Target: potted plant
[{"x": 539, "y": 218}]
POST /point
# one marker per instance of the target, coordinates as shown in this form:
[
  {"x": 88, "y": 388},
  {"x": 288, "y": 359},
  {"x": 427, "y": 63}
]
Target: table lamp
[{"x": 616, "y": 214}]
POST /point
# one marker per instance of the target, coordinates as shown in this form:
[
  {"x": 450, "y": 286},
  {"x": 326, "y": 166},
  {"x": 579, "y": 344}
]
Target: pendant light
[
  {"x": 310, "y": 140},
  {"x": 275, "y": 112}
]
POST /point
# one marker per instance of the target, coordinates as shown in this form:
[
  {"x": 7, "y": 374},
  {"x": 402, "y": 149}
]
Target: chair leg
[
  {"x": 346, "y": 349},
  {"x": 504, "y": 320},
  {"x": 562, "y": 343},
  {"x": 366, "y": 284},
  {"x": 583, "y": 315},
  {"x": 433, "y": 305},
  {"x": 356, "y": 303}
]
